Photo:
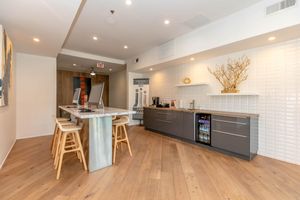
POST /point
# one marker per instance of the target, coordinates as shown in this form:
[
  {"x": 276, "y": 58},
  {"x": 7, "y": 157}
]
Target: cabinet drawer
[
  {"x": 236, "y": 126},
  {"x": 163, "y": 125},
  {"x": 165, "y": 115},
  {"x": 239, "y": 144},
  {"x": 238, "y": 120}
]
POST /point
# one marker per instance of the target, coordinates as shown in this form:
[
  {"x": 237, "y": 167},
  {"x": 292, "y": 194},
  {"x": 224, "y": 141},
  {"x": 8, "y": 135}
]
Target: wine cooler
[{"x": 203, "y": 128}]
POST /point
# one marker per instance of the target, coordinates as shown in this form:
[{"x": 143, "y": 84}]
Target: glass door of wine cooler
[{"x": 204, "y": 127}]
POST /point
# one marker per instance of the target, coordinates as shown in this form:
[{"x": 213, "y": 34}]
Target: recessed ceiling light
[
  {"x": 167, "y": 22},
  {"x": 272, "y": 38},
  {"x": 125, "y": 47},
  {"x": 192, "y": 59},
  {"x": 95, "y": 38},
  {"x": 128, "y": 2},
  {"x": 35, "y": 39},
  {"x": 74, "y": 64},
  {"x": 110, "y": 69},
  {"x": 151, "y": 69}
]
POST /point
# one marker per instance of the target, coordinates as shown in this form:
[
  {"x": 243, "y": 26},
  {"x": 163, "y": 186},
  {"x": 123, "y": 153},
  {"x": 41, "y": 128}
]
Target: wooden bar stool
[
  {"x": 64, "y": 121},
  {"x": 119, "y": 127},
  {"x": 57, "y": 137},
  {"x": 68, "y": 142}
]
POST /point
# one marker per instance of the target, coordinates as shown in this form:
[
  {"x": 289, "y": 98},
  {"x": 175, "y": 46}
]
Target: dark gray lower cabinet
[
  {"x": 237, "y": 135},
  {"x": 233, "y": 134},
  {"x": 176, "y": 123},
  {"x": 149, "y": 116},
  {"x": 188, "y": 126}
]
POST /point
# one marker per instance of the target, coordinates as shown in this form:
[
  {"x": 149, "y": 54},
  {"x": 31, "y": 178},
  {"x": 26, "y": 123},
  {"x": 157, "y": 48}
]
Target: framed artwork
[{"x": 6, "y": 50}]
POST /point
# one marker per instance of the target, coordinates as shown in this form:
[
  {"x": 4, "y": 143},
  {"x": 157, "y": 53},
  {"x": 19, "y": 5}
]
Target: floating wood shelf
[
  {"x": 232, "y": 94},
  {"x": 192, "y": 84}
]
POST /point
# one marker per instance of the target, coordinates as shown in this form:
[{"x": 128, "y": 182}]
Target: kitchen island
[{"x": 97, "y": 133}]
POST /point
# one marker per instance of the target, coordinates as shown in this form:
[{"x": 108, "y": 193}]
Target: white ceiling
[
  {"x": 282, "y": 35},
  {"x": 140, "y": 26},
  {"x": 49, "y": 20},
  {"x": 65, "y": 62}
]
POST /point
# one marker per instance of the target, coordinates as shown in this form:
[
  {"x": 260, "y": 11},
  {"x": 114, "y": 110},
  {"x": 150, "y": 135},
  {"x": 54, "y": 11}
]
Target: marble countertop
[
  {"x": 216, "y": 112},
  {"x": 107, "y": 111}
]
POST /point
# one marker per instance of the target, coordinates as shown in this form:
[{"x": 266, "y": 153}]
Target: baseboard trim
[
  {"x": 7, "y": 154},
  {"x": 133, "y": 123},
  {"x": 33, "y": 136}
]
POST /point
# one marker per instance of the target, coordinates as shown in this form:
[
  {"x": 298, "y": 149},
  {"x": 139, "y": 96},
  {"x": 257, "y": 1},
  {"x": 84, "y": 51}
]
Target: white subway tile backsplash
[{"x": 274, "y": 74}]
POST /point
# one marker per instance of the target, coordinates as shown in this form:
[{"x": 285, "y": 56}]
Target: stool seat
[
  {"x": 121, "y": 121},
  {"x": 66, "y": 123},
  {"x": 69, "y": 128},
  {"x": 60, "y": 119}
]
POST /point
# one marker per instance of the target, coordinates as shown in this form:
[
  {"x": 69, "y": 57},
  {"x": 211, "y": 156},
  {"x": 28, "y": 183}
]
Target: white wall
[
  {"x": 274, "y": 74},
  {"x": 36, "y": 95},
  {"x": 247, "y": 23},
  {"x": 118, "y": 89},
  {"x": 7, "y": 117}
]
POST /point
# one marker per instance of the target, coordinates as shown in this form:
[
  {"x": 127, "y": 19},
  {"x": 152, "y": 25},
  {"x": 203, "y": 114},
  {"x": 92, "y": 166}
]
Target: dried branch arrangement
[{"x": 232, "y": 75}]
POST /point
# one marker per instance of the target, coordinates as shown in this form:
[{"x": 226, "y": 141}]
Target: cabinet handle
[
  {"x": 225, "y": 121},
  {"x": 164, "y": 121},
  {"x": 232, "y": 134},
  {"x": 163, "y": 113}
]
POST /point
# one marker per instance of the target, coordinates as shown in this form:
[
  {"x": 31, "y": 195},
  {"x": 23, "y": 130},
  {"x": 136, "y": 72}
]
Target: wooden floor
[{"x": 161, "y": 168}]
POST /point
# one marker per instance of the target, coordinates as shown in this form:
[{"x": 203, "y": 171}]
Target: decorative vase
[
  {"x": 230, "y": 90},
  {"x": 187, "y": 80}
]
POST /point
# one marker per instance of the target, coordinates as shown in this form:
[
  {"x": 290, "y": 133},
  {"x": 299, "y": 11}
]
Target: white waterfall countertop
[{"x": 95, "y": 112}]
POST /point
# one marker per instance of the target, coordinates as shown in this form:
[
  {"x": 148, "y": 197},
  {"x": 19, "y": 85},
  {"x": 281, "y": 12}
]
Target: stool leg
[
  {"x": 81, "y": 150},
  {"x": 127, "y": 140},
  {"x": 61, "y": 155},
  {"x": 114, "y": 128},
  {"x": 57, "y": 148},
  {"x": 77, "y": 145},
  {"x": 54, "y": 138},
  {"x": 115, "y": 144},
  {"x": 121, "y": 137}
]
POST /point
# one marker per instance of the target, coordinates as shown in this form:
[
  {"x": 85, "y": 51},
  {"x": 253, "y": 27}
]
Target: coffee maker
[{"x": 155, "y": 101}]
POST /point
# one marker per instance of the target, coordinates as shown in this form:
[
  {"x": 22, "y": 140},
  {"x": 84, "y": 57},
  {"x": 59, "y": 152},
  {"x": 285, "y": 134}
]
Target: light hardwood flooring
[{"x": 161, "y": 168}]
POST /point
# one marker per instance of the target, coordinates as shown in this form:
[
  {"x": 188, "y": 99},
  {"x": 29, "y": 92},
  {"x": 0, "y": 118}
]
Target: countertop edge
[{"x": 216, "y": 112}]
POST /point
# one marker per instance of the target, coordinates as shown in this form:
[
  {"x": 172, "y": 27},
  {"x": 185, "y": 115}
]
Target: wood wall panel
[{"x": 65, "y": 86}]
